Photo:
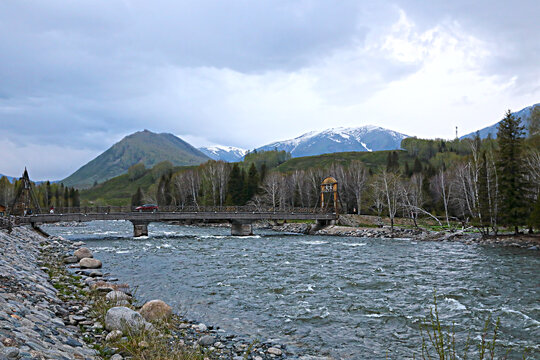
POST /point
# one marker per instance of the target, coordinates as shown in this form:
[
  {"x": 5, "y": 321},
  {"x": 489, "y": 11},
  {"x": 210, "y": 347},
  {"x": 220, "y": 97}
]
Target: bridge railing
[{"x": 191, "y": 209}]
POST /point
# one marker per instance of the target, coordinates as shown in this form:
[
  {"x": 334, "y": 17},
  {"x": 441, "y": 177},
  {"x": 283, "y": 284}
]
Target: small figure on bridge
[{"x": 51, "y": 211}]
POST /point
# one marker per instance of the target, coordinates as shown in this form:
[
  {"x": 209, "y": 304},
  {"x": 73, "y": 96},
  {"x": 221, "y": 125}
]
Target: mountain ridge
[
  {"x": 140, "y": 147},
  {"x": 340, "y": 139},
  {"x": 225, "y": 153},
  {"x": 492, "y": 129}
]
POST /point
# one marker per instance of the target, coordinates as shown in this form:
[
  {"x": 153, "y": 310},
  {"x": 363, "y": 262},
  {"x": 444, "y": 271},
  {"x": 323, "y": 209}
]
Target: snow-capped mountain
[
  {"x": 225, "y": 153},
  {"x": 364, "y": 138},
  {"x": 492, "y": 130}
]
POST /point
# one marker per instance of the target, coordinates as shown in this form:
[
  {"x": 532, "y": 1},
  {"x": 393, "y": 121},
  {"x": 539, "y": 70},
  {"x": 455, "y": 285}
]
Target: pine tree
[
  {"x": 534, "y": 219},
  {"x": 406, "y": 169},
  {"x": 235, "y": 186},
  {"x": 512, "y": 185},
  {"x": 57, "y": 200},
  {"x": 252, "y": 182},
  {"x": 137, "y": 198},
  {"x": 417, "y": 167},
  {"x": 392, "y": 161},
  {"x": 66, "y": 197},
  {"x": 264, "y": 170},
  {"x": 164, "y": 196},
  {"x": 483, "y": 195},
  {"x": 72, "y": 197},
  {"x": 76, "y": 199},
  {"x": 49, "y": 194}
]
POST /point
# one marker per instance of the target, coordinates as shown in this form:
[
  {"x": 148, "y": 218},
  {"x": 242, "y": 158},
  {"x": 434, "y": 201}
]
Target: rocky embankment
[
  {"x": 32, "y": 316},
  {"x": 336, "y": 230},
  {"x": 519, "y": 241},
  {"x": 57, "y": 303}
]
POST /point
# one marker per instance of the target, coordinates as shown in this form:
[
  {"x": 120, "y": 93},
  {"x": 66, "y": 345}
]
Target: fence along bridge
[
  {"x": 26, "y": 210},
  {"x": 240, "y": 217}
]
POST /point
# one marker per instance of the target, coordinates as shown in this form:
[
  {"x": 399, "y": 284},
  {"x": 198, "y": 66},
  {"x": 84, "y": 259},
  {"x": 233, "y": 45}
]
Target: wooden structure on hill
[{"x": 25, "y": 202}]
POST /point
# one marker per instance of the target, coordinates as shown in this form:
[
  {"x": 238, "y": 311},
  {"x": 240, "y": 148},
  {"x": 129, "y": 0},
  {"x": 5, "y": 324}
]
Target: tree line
[
  {"x": 486, "y": 183},
  {"x": 48, "y": 195}
]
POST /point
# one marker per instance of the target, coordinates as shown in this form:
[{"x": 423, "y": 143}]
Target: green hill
[
  {"x": 371, "y": 159},
  {"x": 118, "y": 190},
  {"x": 141, "y": 147}
]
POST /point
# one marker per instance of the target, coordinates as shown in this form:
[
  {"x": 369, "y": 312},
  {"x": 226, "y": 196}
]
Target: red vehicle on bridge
[{"x": 147, "y": 207}]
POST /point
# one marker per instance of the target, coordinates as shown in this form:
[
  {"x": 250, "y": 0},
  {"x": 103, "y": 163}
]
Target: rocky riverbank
[
  {"x": 57, "y": 303},
  {"x": 32, "y": 324},
  {"x": 469, "y": 238}
]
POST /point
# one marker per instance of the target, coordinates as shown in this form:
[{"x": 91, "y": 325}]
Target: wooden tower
[
  {"x": 25, "y": 201},
  {"x": 329, "y": 194}
]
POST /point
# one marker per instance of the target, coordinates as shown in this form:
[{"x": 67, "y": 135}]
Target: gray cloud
[{"x": 77, "y": 76}]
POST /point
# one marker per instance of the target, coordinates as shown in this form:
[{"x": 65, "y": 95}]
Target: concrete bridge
[{"x": 240, "y": 217}]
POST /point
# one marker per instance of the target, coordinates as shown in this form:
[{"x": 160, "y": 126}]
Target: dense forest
[{"x": 486, "y": 183}]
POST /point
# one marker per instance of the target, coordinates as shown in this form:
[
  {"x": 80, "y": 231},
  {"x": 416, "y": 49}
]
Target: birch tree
[
  {"x": 387, "y": 184},
  {"x": 270, "y": 189},
  {"x": 443, "y": 186},
  {"x": 357, "y": 175}
]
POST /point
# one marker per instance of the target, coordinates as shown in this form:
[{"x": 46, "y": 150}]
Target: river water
[{"x": 351, "y": 298}]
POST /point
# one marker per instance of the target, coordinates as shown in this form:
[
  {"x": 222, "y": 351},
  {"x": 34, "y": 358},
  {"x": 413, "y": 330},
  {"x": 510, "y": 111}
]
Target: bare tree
[
  {"x": 532, "y": 162},
  {"x": 187, "y": 185},
  {"x": 300, "y": 187},
  {"x": 222, "y": 173},
  {"x": 443, "y": 186},
  {"x": 270, "y": 188},
  {"x": 193, "y": 183},
  {"x": 214, "y": 175},
  {"x": 210, "y": 181},
  {"x": 357, "y": 175},
  {"x": 285, "y": 192},
  {"x": 181, "y": 191},
  {"x": 315, "y": 178},
  {"x": 465, "y": 186},
  {"x": 387, "y": 183},
  {"x": 412, "y": 197}
]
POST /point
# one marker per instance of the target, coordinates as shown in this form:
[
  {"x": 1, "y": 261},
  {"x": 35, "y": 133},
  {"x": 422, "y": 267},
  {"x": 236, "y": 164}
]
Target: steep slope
[
  {"x": 365, "y": 138},
  {"x": 225, "y": 153},
  {"x": 523, "y": 114},
  {"x": 141, "y": 147}
]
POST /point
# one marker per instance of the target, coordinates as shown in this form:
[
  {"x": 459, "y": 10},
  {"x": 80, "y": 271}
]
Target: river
[{"x": 351, "y": 298}]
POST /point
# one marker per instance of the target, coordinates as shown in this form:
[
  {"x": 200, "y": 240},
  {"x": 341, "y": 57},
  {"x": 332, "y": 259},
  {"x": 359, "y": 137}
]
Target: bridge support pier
[
  {"x": 140, "y": 228},
  {"x": 323, "y": 223},
  {"x": 241, "y": 228}
]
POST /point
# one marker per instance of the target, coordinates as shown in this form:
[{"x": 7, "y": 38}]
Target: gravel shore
[{"x": 32, "y": 316}]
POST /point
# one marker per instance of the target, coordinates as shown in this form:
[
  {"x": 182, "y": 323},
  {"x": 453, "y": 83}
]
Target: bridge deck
[{"x": 172, "y": 216}]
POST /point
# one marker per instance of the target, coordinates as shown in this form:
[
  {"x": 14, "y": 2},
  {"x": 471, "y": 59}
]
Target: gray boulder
[
  {"x": 206, "y": 340},
  {"x": 155, "y": 310},
  {"x": 88, "y": 263},
  {"x": 83, "y": 253},
  {"x": 124, "y": 319},
  {"x": 71, "y": 259}
]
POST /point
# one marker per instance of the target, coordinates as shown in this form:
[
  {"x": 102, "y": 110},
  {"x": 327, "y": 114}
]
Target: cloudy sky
[{"x": 77, "y": 76}]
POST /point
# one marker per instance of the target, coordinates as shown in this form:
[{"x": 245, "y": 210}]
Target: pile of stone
[
  {"x": 32, "y": 322},
  {"x": 335, "y": 230},
  {"x": 297, "y": 228}
]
